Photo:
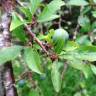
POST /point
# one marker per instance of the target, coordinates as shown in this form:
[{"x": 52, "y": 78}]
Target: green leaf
[
  {"x": 49, "y": 18},
  {"x": 94, "y": 25},
  {"x": 80, "y": 65},
  {"x": 49, "y": 12},
  {"x": 87, "y": 53},
  {"x": 34, "y": 5},
  {"x": 83, "y": 20},
  {"x": 48, "y": 37},
  {"x": 59, "y": 39},
  {"x": 93, "y": 68},
  {"x": 34, "y": 93},
  {"x": 94, "y": 1},
  {"x": 86, "y": 10},
  {"x": 9, "y": 53},
  {"x": 70, "y": 46},
  {"x": 78, "y": 2},
  {"x": 19, "y": 33},
  {"x": 78, "y": 94},
  {"x": 16, "y": 22},
  {"x": 94, "y": 14},
  {"x": 83, "y": 40},
  {"x": 32, "y": 59},
  {"x": 27, "y": 13},
  {"x": 56, "y": 77}
]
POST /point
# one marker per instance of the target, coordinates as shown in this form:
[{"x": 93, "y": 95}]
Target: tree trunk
[{"x": 7, "y": 87}]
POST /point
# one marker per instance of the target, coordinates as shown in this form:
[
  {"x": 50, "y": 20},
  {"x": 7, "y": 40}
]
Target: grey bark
[{"x": 6, "y": 72}]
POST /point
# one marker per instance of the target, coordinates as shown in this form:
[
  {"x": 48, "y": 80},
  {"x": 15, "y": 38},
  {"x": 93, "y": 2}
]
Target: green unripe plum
[{"x": 60, "y": 38}]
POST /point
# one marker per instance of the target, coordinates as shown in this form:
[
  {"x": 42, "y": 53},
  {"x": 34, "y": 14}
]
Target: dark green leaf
[{"x": 19, "y": 33}]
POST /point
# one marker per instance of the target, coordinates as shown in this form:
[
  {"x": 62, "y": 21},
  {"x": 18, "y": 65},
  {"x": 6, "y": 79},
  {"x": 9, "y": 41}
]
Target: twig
[
  {"x": 29, "y": 31},
  {"x": 76, "y": 32},
  {"x": 64, "y": 70},
  {"x": 33, "y": 35},
  {"x": 77, "y": 27}
]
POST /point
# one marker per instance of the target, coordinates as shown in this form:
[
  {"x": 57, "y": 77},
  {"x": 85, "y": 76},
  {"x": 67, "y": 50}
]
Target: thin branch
[
  {"x": 33, "y": 35},
  {"x": 76, "y": 32},
  {"x": 29, "y": 31},
  {"x": 64, "y": 70},
  {"x": 78, "y": 26}
]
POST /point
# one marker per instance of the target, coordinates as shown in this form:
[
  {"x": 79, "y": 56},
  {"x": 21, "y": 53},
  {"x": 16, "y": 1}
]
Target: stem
[
  {"x": 29, "y": 31},
  {"x": 33, "y": 35}
]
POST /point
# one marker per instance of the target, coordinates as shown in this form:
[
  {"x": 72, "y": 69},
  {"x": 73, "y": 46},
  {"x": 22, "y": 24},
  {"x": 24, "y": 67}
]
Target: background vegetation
[{"x": 53, "y": 48}]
